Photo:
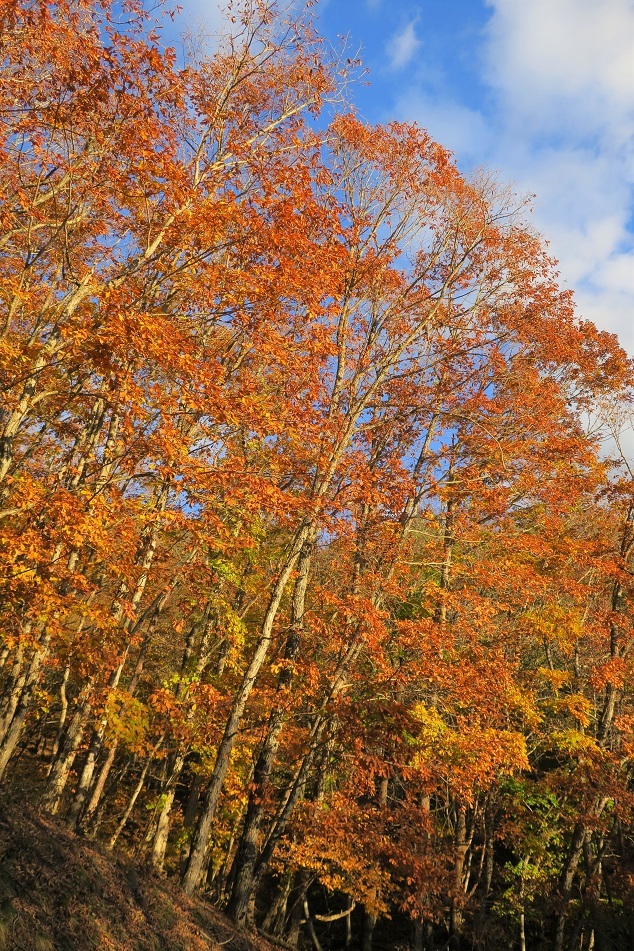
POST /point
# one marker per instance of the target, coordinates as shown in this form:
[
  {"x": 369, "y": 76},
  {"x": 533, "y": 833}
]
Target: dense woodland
[{"x": 316, "y": 565}]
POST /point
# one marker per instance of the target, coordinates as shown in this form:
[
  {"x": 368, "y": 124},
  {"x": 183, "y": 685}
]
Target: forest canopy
[{"x": 316, "y": 581}]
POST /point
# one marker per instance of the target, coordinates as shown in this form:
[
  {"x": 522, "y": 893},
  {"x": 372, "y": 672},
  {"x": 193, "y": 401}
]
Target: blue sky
[{"x": 541, "y": 91}]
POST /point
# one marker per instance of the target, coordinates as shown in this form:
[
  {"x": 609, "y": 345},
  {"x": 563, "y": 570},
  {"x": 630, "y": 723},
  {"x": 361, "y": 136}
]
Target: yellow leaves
[
  {"x": 433, "y": 726},
  {"x": 470, "y": 757},
  {"x": 574, "y": 743},
  {"x": 555, "y": 623},
  {"x": 557, "y": 678},
  {"x": 235, "y": 632},
  {"x": 522, "y": 705},
  {"x": 566, "y": 705},
  {"x": 577, "y": 706},
  {"x": 128, "y": 720}
]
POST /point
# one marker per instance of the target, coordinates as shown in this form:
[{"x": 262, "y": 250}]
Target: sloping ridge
[{"x": 61, "y": 892}]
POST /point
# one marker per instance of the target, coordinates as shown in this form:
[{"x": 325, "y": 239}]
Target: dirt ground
[{"x": 60, "y": 892}]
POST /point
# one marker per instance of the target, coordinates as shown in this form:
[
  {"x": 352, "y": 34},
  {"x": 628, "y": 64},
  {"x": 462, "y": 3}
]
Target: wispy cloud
[
  {"x": 564, "y": 62},
  {"x": 563, "y": 72},
  {"x": 208, "y": 15},
  {"x": 459, "y": 128},
  {"x": 402, "y": 46},
  {"x": 558, "y": 122}
]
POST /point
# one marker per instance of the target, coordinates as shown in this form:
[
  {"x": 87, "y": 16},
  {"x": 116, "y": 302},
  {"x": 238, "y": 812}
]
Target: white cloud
[
  {"x": 564, "y": 61},
  {"x": 209, "y": 20},
  {"x": 402, "y": 46},
  {"x": 210, "y": 16},
  {"x": 559, "y": 124},
  {"x": 563, "y": 71},
  {"x": 460, "y": 129}
]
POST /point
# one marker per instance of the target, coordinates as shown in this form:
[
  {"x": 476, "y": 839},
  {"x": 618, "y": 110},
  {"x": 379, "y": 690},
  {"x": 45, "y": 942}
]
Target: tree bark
[
  {"x": 145, "y": 558},
  {"x": 456, "y": 915},
  {"x": 161, "y": 835},
  {"x": 131, "y": 803},
  {"x": 14, "y": 729},
  {"x": 200, "y": 839},
  {"x": 244, "y": 882}
]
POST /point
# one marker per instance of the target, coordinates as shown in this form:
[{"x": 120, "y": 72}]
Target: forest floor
[{"x": 62, "y": 892}]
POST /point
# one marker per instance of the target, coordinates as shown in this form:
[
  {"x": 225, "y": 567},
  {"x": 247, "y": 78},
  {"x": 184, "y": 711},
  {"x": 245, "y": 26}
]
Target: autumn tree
[{"x": 308, "y": 556}]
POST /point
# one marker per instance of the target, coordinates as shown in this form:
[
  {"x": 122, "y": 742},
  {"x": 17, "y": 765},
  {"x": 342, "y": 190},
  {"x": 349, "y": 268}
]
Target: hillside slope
[{"x": 59, "y": 892}]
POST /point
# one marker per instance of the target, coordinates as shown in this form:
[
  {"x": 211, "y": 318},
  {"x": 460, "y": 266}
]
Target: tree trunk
[
  {"x": 367, "y": 934},
  {"x": 200, "y": 839},
  {"x": 131, "y": 803},
  {"x": 161, "y": 835},
  {"x": 99, "y": 786},
  {"x": 62, "y": 764},
  {"x": 295, "y": 916},
  {"x": 19, "y": 414},
  {"x": 311, "y": 927},
  {"x": 566, "y": 883},
  {"x": 104, "y": 772},
  {"x": 456, "y": 916},
  {"x": 244, "y": 882},
  {"x": 276, "y": 914},
  {"x": 61, "y": 723},
  {"x": 20, "y": 711},
  {"x": 85, "y": 779},
  {"x": 145, "y": 557},
  {"x": 13, "y": 691}
]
